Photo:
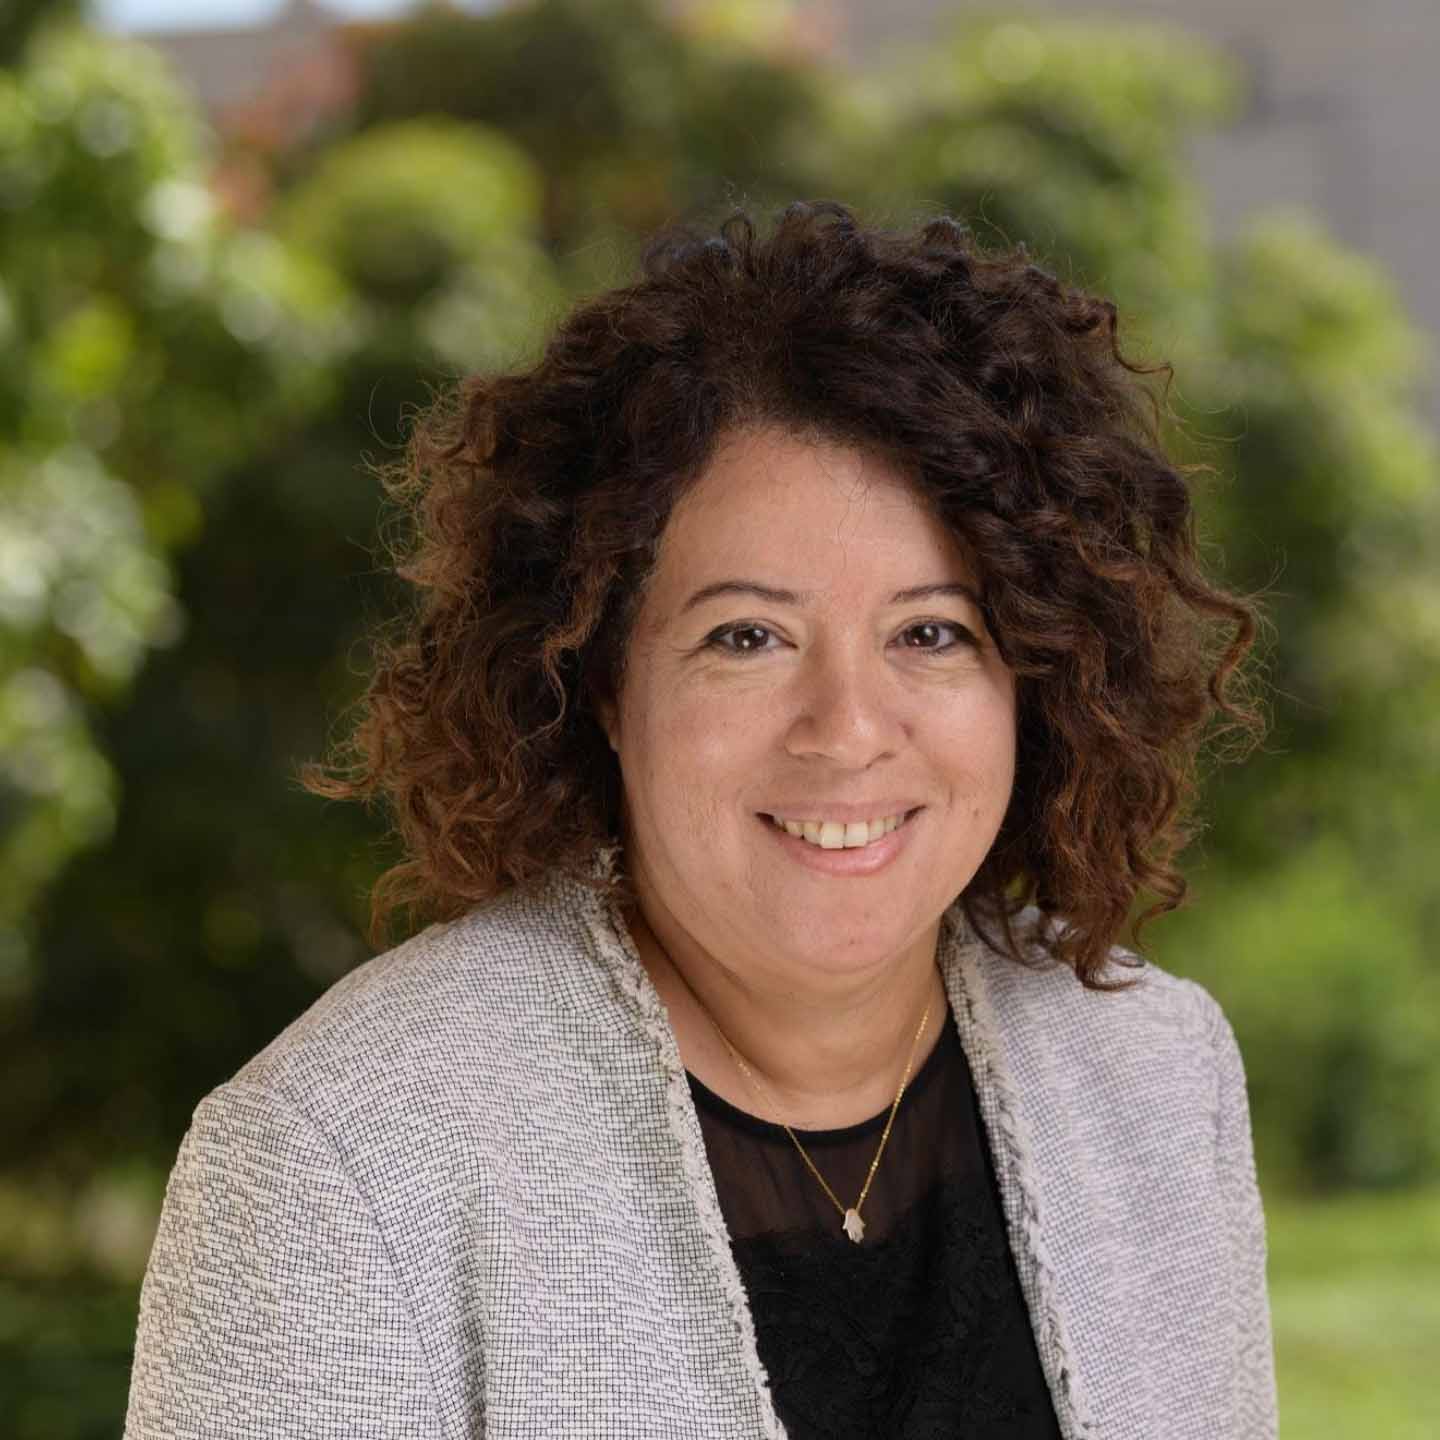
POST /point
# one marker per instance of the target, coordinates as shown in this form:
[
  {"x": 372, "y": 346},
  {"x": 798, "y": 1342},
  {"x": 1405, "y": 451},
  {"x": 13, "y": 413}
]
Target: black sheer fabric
[{"x": 918, "y": 1331}]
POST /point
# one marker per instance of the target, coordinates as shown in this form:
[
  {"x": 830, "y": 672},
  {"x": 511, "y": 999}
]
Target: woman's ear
[{"x": 606, "y": 712}]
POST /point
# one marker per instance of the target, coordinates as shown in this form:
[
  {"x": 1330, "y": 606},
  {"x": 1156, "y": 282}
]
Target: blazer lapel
[{"x": 1039, "y": 1200}]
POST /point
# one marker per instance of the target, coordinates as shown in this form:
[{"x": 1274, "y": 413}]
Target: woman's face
[{"x": 809, "y": 648}]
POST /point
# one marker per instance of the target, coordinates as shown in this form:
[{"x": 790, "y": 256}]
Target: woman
[{"x": 812, "y": 660}]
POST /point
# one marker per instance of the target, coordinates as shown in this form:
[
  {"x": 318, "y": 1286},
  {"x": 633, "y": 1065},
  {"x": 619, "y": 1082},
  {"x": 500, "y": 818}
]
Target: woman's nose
[{"x": 844, "y": 711}]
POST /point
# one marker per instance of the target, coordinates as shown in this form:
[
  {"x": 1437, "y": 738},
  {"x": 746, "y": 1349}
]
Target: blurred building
[{"x": 1343, "y": 121}]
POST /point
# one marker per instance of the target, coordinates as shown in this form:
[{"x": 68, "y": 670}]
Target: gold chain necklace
[{"x": 851, "y": 1222}]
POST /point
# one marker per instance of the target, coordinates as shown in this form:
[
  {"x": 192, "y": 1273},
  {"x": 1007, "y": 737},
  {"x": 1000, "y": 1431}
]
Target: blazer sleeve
[
  {"x": 1255, "y": 1407},
  {"x": 270, "y": 1305}
]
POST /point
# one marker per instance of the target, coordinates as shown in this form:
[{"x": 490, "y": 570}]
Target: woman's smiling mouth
[{"x": 842, "y": 834}]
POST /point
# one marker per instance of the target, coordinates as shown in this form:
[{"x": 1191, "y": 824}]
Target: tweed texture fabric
[{"x": 466, "y": 1195}]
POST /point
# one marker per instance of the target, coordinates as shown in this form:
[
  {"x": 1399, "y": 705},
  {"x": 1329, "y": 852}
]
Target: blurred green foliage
[
  {"x": 21, "y": 18},
  {"x": 434, "y": 226},
  {"x": 1067, "y": 135},
  {"x": 130, "y": 321},
  {"x": 1334, "y": 988},
  {"x": 189, "y": 560},
  {"x": 630, "y": 118},
  {"x": 1316, "y": 888}
]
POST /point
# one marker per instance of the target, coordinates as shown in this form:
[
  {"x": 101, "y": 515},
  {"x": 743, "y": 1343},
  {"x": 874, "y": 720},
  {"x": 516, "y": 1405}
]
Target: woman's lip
[{"x": 857, "y": 861}]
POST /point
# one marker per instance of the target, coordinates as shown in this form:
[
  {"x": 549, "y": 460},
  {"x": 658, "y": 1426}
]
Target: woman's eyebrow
[
  {"x": 796, "y": 597},
  {"x": 744, "y": 587},
  {"x": 929, "y": 592}
]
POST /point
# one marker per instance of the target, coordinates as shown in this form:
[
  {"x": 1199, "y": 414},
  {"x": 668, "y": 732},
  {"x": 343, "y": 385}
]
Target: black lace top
[{"x": 918, "y": 1331}]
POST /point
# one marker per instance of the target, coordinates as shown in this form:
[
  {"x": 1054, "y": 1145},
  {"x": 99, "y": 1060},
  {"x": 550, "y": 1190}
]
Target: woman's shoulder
[
  {"x": 1139, "y": 1091},
  {"x": 1161, "y": 1035},
  {"x": 462, "y": 1000},
  {"x": 1046, "y": 993}
]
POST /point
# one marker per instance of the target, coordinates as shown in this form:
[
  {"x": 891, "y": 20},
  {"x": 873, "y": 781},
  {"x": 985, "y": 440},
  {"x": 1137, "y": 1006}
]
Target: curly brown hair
[{"x": 536, "y": 500}]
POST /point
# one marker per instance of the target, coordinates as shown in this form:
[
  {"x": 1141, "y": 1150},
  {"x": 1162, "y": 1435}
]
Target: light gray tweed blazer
[{"x": 466, "y": 1195}]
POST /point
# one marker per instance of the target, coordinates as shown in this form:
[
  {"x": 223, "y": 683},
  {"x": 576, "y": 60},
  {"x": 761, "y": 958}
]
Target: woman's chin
[{"x": 827, "y": 944}]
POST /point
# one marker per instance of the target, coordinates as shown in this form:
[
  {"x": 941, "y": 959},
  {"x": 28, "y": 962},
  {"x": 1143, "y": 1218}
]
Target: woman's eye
[
  {"x": 936, "y": 636},
  {"x": 748, "y": 639},
  {"x": 932, "y": 635}
]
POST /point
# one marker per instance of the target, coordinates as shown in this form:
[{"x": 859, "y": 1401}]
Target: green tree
[
  {"x": 131, "y": 324},
  {"x": 432, "y": 223},
  {"x": 631, "y": 118},
  {"x": 1319, "y": 896}
]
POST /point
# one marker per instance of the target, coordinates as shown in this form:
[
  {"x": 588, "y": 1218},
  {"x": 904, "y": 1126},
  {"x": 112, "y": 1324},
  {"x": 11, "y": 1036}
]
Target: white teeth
[{"x": 838, "y": 834}]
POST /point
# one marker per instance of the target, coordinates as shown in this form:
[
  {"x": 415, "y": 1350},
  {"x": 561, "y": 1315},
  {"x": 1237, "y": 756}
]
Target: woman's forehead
[{"x": 771, "y": 496}]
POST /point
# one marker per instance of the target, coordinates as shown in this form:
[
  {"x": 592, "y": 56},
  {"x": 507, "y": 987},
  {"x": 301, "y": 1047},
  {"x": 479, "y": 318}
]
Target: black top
[{"x": 920, "y": 1330}]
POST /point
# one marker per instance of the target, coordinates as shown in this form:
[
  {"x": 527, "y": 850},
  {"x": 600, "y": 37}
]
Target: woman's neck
[{"x": 825, "y": 1057}]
